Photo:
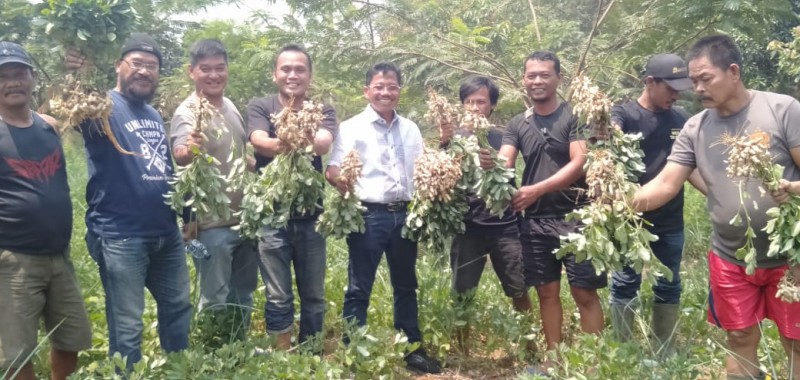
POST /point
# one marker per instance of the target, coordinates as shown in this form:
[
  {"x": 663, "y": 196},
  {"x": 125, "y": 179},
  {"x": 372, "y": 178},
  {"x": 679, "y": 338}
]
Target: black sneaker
[{"x": 419, "y": 361}]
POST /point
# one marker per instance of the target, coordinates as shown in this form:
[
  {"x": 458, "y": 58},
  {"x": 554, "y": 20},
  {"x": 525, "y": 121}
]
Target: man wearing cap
[
  {"x": 654, "y": 116},
  {"x": 37, "y": 280},
  {"x": 737, "y": 301},
  {"x": 131, "y": 233}
]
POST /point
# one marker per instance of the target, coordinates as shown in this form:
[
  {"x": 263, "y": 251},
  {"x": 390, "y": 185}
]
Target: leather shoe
[{"x": 419, "y": 361}]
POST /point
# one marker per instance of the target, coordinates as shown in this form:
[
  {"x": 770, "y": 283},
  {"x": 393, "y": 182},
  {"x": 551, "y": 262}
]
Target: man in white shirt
[{"x": 387, "y": 144}]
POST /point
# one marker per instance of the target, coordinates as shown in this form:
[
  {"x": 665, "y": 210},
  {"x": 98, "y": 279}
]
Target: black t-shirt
[
  {"x": 478, "y": 215},
  {"x": 659, "y": 130},
  {"x": 35, "y": 205},
  {"x": 544, "y": 144},
  {"x": 259, "y": 118}
]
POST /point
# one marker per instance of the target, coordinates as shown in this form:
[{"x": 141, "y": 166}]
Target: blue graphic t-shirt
[{"x": 125, "y": 193}]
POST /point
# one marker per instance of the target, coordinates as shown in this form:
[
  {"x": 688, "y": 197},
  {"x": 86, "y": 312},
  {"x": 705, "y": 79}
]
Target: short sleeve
[
  {"x": 618, "y": 116},
  {"x": 182, "y": 122},
  {"x": 511, "y": 134},
  {"x": 683, "y": 151},
  {"x": 258, "y": 117},
  {"x": 330, "y": 123},
  {"x": 792, "y": 115}
]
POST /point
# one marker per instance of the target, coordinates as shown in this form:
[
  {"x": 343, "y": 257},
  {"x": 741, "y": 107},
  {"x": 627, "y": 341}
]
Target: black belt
[{"x": 391, "y": 207}]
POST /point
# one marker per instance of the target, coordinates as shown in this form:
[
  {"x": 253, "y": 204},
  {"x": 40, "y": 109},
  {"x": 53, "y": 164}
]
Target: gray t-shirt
[
  {"x": 698, "y": 146},
  {"x": 232, "y": 137}
]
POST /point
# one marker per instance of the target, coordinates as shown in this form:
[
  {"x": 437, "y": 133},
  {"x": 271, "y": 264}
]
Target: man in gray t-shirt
[
  {"x": 230, "y": 273},
  {"x": 737, "y": 301}
]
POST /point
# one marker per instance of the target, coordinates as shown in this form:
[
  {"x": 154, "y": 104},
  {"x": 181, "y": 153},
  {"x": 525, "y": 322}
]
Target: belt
[{"x": 391, "y": 207}]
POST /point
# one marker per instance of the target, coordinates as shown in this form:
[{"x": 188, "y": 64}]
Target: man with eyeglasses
[
  {"x": 387, "y": 145},
  {"x": 131, "y": 233}
]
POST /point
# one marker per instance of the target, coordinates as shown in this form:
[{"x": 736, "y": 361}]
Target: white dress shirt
[{"x": 387, "y": 152}]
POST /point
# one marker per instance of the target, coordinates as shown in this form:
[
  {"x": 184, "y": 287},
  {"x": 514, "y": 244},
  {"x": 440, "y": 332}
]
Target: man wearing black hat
[
  {"x": 37, "y": 280},
  {"x": 654, "y": 116},
  {"x": 131, "y": 233}
]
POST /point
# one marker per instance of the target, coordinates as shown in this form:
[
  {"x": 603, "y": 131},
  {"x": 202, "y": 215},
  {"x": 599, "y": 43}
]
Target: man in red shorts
[{"x": 737, "y": 301}]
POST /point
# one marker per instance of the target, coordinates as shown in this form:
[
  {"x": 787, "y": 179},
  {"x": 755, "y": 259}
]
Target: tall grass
[{"x": 498, "y": 337}]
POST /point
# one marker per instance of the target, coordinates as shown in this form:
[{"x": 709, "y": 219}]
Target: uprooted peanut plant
[
  {"x": 612, "y": 233},
  {"x": 749, "y": 158},
  {"x": 342, "y": 214},
  {"x": 289, "y": 185}
]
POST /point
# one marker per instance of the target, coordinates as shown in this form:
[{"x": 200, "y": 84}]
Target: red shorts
[{"x": 737, "y": 300}]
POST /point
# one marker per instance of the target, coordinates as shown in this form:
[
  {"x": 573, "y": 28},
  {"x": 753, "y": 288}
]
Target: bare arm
[
  {"x": 661, "y": 189},
  {"x": 322, "y": 142},
  {"x": 562, "y": 179},
  {"x": 332, "y": 175},
  {"x": 265, "y": 145}
]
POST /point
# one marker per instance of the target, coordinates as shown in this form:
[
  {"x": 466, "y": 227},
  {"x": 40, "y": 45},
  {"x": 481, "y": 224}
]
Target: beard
[{"x": 137, "y": 95}]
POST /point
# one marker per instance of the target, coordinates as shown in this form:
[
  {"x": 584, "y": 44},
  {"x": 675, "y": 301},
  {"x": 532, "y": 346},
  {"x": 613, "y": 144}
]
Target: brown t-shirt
[
  {"x": 230, "y": 122},
  {"x": 698, "y": 146}
]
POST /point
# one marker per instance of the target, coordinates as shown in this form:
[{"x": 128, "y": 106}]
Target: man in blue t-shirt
[
  {"x": 131, "y": 233},
  {"x": 37, "y": 280},
  {"x": 654, "y": 116}
]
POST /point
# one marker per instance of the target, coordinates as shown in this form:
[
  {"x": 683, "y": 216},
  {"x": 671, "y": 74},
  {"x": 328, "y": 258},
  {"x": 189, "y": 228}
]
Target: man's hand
[
  {"x": 485, "y": 156},
  {"x": 782, "y": 193},
  {"x": 195, "y": 139},
  {"x": 446, "y": 131},
  {"x": 75, "y": 60},
  {"x": 524, "y": 197}
]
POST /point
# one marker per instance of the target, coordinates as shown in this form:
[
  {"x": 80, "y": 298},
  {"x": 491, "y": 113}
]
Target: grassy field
[{"x": 499, "y": 334}]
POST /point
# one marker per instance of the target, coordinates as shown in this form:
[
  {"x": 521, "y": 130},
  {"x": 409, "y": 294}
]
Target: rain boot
[
  {"x": 622, "y": 319},
  {"x": 663, "y": 326}
]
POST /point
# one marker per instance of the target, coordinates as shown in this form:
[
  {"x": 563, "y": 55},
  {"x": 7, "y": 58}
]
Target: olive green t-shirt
[{"x": 698, "y": 146}]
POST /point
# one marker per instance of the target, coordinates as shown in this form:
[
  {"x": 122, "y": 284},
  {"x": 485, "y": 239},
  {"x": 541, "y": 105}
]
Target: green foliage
[
  {"x": 289, "y": 185},
  {"x": 95, "y": 27},
  {"x": 201, "y": 186},
  {"x": 342, "y": 216}
]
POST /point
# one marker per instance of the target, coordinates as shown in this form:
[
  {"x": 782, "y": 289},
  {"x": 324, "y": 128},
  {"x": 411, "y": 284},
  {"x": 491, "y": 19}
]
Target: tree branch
[
  {"x": 535, "y": 22},
  {"x": 598, "y": 21},
  {"x": 456, "y": 67}
]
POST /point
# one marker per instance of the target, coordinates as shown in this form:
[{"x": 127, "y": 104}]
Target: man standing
[
  {"x": 230, "y": 274},
  {"x": 654, "y": 116},
  {"x": 737, "y": 301},
  {"x": 552, "y": 145},
  {"x": 485, "y": 232},
  {"x": 131, "y": 233},
  {"x": 298, "y": 244},
  {"x": 387, "y": 144},
  {"x": 37, "y": 280}
]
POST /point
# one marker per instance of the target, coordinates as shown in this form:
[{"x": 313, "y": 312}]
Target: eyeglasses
[
  {"x": 390, "y": 88},
  {"x": 136, "y": 66}
]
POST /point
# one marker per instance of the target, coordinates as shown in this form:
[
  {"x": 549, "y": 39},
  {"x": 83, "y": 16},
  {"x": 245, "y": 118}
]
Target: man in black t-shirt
[
  {"x": 298, "y": 245},
  {"x": 485, "y": 233},
  {"x": 654, "y": 116},
  {"x": 552, "y": 145},
  {"x": 37, "y": 280}
]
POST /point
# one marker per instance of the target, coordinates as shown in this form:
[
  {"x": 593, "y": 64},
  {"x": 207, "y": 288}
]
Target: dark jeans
[
  {"x": 382, "y": 234},
  {"x": 669, "y": 249}
]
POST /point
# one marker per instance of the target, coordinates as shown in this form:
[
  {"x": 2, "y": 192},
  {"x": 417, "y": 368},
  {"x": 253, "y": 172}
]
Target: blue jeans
[
  {"x": 382, "y": 234},
  {"x": 669, "y": 249},
  {"x": 230, "y": 274},
  {"x": 127, "y": 266},
  {"x": 297, "y": 245}
]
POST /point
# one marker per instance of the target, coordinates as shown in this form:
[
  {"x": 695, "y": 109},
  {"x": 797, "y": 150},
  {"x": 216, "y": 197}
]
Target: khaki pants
[{"x": 39, "y": 287}]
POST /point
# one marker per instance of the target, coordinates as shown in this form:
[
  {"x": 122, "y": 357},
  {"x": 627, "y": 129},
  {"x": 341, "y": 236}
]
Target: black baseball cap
[
  {"x": 14, "y": 53},
  {"x": 670, "y": 68},
  {"x": 141, "y": 42}
]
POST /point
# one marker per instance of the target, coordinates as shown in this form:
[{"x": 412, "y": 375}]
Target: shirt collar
[{"x": 374, "y": 118}]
